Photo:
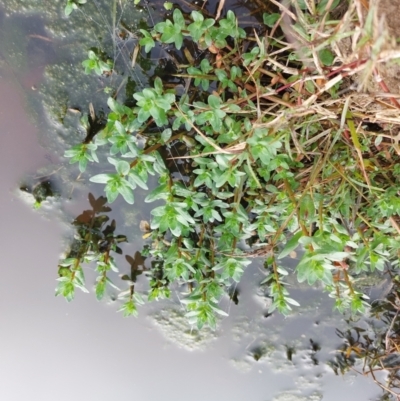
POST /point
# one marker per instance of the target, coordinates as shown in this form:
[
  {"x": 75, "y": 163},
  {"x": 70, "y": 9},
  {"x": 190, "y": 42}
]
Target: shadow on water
[{"x": 371, "y": 347}]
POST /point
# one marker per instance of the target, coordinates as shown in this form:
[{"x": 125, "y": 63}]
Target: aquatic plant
[{"x": 259, "y": 154}]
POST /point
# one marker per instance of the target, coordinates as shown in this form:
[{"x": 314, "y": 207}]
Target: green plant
[
  {"x": 73, "y": 5},
  {"x": 96, "y": 64},
  {"x": 273, "y": 164}
]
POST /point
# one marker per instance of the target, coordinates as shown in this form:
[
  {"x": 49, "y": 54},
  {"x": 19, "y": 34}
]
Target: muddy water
[{"x": 51, "y": 350}]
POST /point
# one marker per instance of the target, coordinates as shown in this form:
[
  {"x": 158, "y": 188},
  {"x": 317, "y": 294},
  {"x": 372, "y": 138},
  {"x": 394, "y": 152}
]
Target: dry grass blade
[
  {"x": 284, "y": 9},
  {"x": 206, "y": 138},
  {"x": 219, "y": 10},
  {"x": 230, "y": 150},
  {"x": 134, "y": 55}
]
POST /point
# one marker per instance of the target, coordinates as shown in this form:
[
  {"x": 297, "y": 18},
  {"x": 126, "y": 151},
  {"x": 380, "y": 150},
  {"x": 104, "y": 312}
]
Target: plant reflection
[
  {"x": 94, "y": 240},
  {"x": 136, "y": 262},
  {"x": 376, "y": 346}
]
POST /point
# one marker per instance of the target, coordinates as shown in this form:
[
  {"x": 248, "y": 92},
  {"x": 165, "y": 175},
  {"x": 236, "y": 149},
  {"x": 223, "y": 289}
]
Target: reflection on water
[
  {"x": 54, "y": 350},
  {"x": 94, "y": 242},
  {"x": 372, "y": 347}
]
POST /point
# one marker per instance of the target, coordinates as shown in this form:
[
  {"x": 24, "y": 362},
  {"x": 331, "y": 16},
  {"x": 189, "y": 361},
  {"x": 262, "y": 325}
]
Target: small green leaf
[
  {"x": 321, "y": 8},
  {"x": 158, "y": 85},
  {"x": 178, "y": 18},
  {"x": 270, "y": 19},
  {"x": 168, "y": 6},
  {"x": 101, "y": 178},
  {"x": 326, "y": 57},
  {"x": 127, "y": 194},
  {"x": 111, "y": 194},
  {"x": 83, "y": 164},
  {"x": 136, "y": 179},
  {"x": 307, "y": 208},
  {"x": 123, "y": 167},
  {"x": 291, "y": 245},
  {"x": 160, "y": 192},
  {"x": 69, "y": 8},
  {"x": 129, "y": 309},
  {"x": 166, "y": 135},
  {"x": 100, "y": 289},
  {"x": 214, "y": 101}
]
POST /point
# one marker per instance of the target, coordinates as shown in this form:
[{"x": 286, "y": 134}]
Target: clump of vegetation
[{"x": 273, "y": 154}]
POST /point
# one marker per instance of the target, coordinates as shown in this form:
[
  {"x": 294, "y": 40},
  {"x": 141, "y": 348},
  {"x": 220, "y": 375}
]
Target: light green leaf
[
  {"x": 123, "y": 167},
  {"x": 100, "y": 290},
  {"x": 136, "y": 179},
  {"x": 166, "y": 134},
  {"x": 127, "y": 194},
  {"x": 326, "y": 57},
  {"x": 270, "y": 19},
  {"x": 178, "y": 18},
  {"x": 161, "y": 192},
  {"x": 111, "y": 194},
  {"x": 214, "y": 101},
  {"x": 291, "y": 245},
  {"x": 168, "y": 5},
  {"x": 291, "y": 301},
  {"x": 101, "y": 178}
]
